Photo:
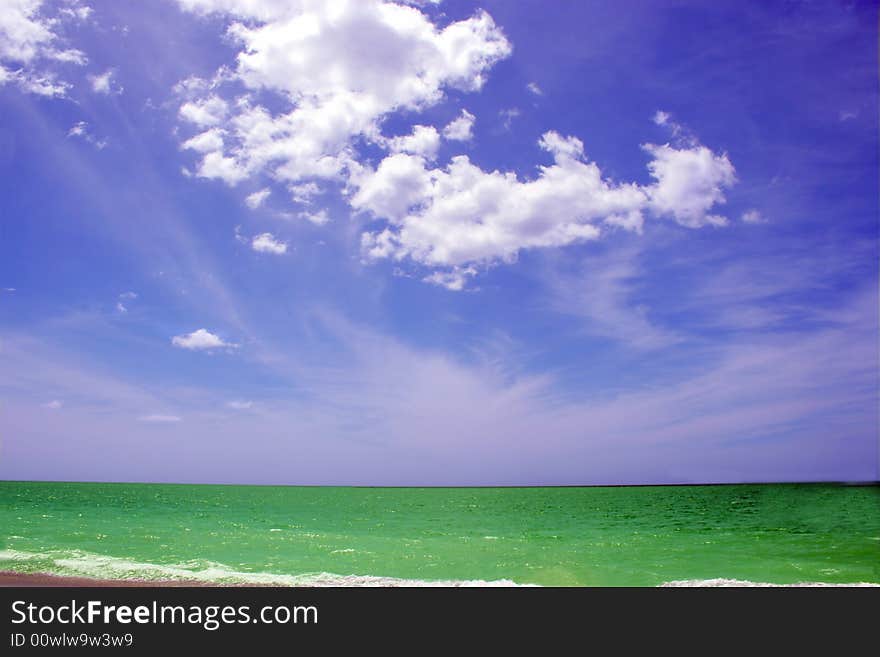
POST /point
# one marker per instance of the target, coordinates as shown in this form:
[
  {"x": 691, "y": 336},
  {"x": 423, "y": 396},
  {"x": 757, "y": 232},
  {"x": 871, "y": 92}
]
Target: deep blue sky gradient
[{"x": 742, "y": 353}]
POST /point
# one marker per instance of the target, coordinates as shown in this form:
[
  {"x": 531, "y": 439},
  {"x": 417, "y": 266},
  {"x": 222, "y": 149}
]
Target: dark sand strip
[{"x": 9, "y": 578}]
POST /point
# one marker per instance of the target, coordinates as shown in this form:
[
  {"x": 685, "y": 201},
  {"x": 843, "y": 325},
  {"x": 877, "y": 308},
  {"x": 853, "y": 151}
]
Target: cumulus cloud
[
  {"x": 266, "y": 243},
  {"x": 399, "y": 183},
  {"x": 344, "y": 67},
  {"x": 199, "y": 340},
  {"x": 318, "y": 218},
  {"x": 689, "y": 182},
  {"x": 255, "y": 200},
  {"x": 30, "y": 44},
  {"x": 462, "y": 215},
  {"x": 216, "y": 165},
  {"x": 461, "y": 128},
  {"x": 205, "y": 142},
  {"x": 534, "y": 88},
  {"x": 204, "y": 112},
  {"x": 424, "y": 140},
  {"x": 53, "y": 405}
]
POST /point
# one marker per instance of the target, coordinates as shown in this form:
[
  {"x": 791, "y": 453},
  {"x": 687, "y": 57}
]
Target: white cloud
[
  {"x": 80, "y": 130},
  {"x": 159, "y": 419},
  {"x": 53, "y": 405},
  {"x": 256, "y": 199},
  {"x": 77, "y": 12},
  {"x": 205, "y": 142},
  {"x": 205, "y": 112},
  {"x": 753, "y": 217},
  {"x": 454, "y": 280},
  {"x": 199, "y": 340},
  {"x": 424, "y": 140},
  {"x": 120, "y": 308},
  {"x": 304, "y": 193},
  {"x": 318, "y": 218},
  {"x": 29, "y": 44},
  {"x": 104, "y": 84},
  {"x": 689, "y": 182},
  {"x": 128, "y": 295},
  {"x": 661, "y": 117},
  {"x": 344, "y": 66},
  {"x": 216, "y": 165},
  {"x": 461, "y": 128},
  {"x": 602, "y": 292},
  {"x": 681, "y": 136},
  {"x": 266, "y": 243},
  {"x": 240, "y": 405},
  {"x": 399, "y": 183},
  {"x": 462, "y": 215},
  {"x": 534, "y": 88},
  {"x": 39, "y": 83}
]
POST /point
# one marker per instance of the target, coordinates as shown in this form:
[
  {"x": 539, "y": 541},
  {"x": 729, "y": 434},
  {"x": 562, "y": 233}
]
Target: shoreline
[{"x": 10, "y": 578}]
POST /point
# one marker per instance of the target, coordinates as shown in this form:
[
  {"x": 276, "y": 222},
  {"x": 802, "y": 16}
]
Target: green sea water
[{"x": 640, "y": 536}]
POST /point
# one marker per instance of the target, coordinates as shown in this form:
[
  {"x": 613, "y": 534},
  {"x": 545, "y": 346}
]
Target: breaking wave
[
  {"x": 75, "y": 563},
  {"x": 720, "y": 581}
]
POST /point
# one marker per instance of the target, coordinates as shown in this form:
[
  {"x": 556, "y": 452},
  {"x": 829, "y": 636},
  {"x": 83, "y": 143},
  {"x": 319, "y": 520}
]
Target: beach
[{"x": 10, "y": 578}]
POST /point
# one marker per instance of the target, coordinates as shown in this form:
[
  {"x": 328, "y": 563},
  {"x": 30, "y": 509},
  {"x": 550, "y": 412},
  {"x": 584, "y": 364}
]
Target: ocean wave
[
  {"x": 75, "y": 563},
  {"x": 722, "y": 582}
]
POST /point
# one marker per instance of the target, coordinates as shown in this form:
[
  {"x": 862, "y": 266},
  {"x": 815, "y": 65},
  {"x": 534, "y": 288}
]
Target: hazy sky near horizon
[{"x": 427, "y": 243}]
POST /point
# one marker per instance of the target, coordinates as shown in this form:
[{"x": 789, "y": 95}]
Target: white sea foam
[
  {"x": 721, "y": 581},
  {"x": 74, "y": 563},
  {"x": 85, "y": 564}
]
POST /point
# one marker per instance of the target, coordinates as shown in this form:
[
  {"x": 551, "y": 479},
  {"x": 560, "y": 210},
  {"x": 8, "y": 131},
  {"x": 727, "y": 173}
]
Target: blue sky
[{"x": 255, "y": 241}]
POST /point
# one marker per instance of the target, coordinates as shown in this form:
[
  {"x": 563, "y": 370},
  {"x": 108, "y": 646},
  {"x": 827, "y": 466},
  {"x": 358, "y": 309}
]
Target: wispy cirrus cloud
[
  {"x": 402, "y": 415},
  {"x": 159, "y": 419}
]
